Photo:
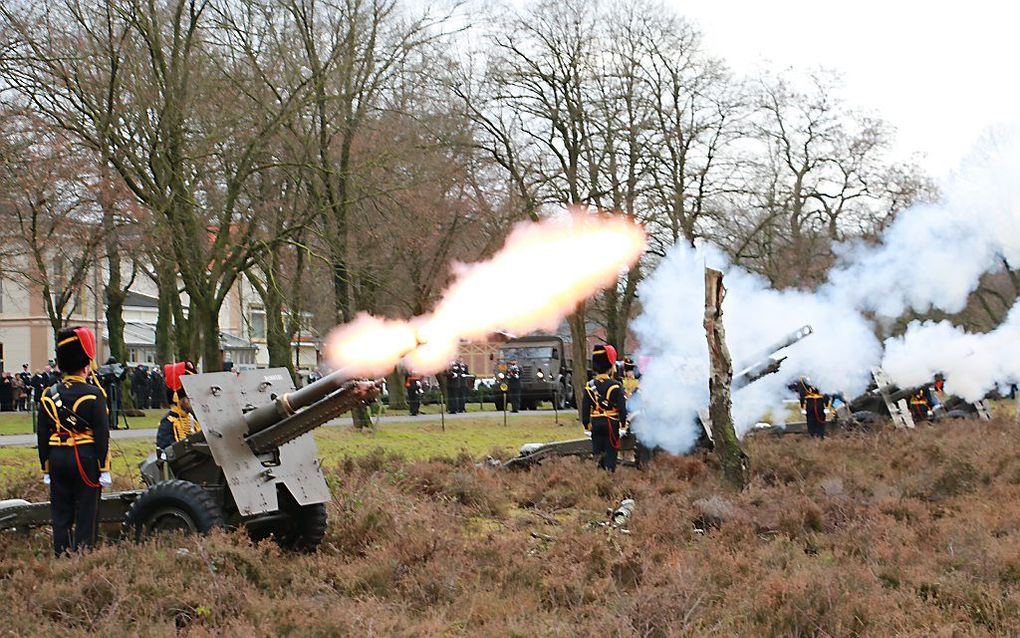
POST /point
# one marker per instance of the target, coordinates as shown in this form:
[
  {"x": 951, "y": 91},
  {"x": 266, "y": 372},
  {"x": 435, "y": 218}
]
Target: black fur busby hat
[
  {"x": 76, "y": 349},
  {"x": 603, "y": 358}
]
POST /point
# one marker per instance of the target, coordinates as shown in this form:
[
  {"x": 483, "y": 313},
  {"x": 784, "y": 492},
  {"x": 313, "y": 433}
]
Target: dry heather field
[{"x": 889, "y": 534}]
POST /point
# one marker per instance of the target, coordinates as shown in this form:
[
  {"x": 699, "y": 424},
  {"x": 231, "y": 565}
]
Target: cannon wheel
[
  {"x": 869, "y": 421},
  {"x": 298, "y": 528},
  {"x": 304, "y": 529},
  {"x": 172, "y": 506}
]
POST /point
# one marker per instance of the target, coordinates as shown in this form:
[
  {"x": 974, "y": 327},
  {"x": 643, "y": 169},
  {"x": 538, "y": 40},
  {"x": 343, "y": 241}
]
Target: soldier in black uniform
[
  {"x": 513, "y": 382},
  {"x": 815, "y": 406},
  {"x": 74, "y": 439},
  {"x": 178, "y": 423},
  {"x": 26, "y": 382},
  {"x": 415, "y": 388},
  {"x": 140, "y": 387},
  {"x": 39, "y": 385},
  {"x": 457, "y": 385},
  {"x": 604, "y": 407},
  {"x": 157, "y": 390}
]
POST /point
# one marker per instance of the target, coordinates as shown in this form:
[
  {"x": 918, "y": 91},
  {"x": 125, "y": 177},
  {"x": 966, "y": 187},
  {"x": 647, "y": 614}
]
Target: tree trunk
[
  {"x": 360, "y": 417},
  {"x": 187, "y": 332},
  {"x": 115, "y": 292},
  {"x": 397, "y": 391},
  {"x": 164, "y": 322},
  {"x": 208, "y": 319},
  {"x": 727, "y": 447},
  {"x": 579, "y": 352},
  {"x": 278, "y": 340}
]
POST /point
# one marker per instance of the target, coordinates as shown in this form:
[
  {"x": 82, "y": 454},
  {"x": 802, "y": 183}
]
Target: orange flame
[
  {"x": 370, "y": 346},
  {"x": 538, "y": 277}
]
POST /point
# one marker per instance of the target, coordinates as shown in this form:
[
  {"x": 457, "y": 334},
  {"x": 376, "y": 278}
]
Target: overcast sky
[{"x": 940, "y": 71}]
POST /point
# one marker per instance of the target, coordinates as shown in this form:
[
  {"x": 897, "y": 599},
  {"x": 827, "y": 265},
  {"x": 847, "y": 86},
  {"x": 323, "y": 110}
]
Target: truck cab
[{"x": 544, "y": 361}]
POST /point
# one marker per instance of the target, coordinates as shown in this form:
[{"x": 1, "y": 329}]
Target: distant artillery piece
[
  {"x": 253, "y": 465},
  {"x": 884, "y": 402},
  {"x": 769, "y": 363}
]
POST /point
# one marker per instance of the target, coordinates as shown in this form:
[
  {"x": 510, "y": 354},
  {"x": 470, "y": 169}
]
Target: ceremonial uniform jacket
[
  {"x": 604, "y": 398},
  {"x": 176, "y": 426},
  {"x": 73, "y": 412}
]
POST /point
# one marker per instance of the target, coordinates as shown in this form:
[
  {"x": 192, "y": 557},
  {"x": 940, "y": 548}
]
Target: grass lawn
[
  {"x": 475, "y": 438},
  {"x": 21, "y": 422}
]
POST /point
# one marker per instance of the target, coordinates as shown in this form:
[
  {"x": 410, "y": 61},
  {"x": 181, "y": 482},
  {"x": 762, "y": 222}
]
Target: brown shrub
[{"x": 868, "y": 535}]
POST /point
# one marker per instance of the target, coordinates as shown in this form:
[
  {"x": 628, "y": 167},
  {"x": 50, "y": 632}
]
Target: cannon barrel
[
  {"x": 769, "y": 363},
  {"x": 906, "y": 393},
  {"x": 289, "y": 404},
  {"x": 311, "y": 416}
]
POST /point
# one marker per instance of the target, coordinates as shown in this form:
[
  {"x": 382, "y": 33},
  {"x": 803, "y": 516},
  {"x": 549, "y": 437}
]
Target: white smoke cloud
[
  {"x": 931, "y": 257},
  {"x": 674, "y": 385},
  {"x": 981, "y": 225},
  {"x": 934, "y": 255},
  {"x": 974, "y": 364}
]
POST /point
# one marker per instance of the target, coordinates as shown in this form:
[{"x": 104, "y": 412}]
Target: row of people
[
  {"x": 457, "y": 379},
  {"x": 17, "y": 391}
]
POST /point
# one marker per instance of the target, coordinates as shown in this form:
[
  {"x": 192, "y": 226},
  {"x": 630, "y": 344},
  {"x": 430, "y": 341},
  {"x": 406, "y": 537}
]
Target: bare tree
[
  {"x": 168, "y": 97},
  {"x": 821, "y": 176},
  {"x": 46, "y": 197}
]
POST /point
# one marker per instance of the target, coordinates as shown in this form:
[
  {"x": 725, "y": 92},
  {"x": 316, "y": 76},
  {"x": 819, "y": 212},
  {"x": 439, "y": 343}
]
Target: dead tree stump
[{"x": 727, "y": 446}]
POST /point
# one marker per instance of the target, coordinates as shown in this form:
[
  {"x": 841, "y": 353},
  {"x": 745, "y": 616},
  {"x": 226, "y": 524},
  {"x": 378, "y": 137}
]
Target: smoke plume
[{"x": 931, "y": 257}]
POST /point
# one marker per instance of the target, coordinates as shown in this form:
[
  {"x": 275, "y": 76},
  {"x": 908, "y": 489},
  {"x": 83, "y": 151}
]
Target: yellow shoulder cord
[{"x": 51, "y": 409}]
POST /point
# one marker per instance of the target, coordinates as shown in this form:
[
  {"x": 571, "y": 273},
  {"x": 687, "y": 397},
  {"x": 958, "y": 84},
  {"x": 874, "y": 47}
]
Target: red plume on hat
[
  {"x": 172, "y": 373},
  {"x": 88, "y": 341}
]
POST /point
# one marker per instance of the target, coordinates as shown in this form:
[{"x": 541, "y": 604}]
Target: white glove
[
  {"x": 46, "y": 479},
  {"x": 105, "y": 479}
]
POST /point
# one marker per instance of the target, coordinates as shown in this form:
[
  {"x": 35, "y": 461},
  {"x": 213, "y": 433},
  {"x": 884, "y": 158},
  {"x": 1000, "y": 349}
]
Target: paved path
[{"x": 12, "y": 440}]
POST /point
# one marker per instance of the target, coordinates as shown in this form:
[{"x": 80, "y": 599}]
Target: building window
[{"x": 257, "y": 323}]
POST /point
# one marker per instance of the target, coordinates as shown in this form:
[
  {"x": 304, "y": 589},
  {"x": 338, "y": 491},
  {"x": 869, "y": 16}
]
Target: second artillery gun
[
  {"x": 769, "y": 363},
  {"x": 253, "y": 465}
]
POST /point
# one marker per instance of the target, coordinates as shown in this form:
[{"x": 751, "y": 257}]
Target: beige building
[{"x": 26, "y": 336}]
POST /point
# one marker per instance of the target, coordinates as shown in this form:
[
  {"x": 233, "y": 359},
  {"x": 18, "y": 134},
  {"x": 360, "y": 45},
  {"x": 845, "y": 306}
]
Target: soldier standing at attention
[
  {"x": 74, "y": 440},
  {"x": 604, "y": 407},
  {"x": 458, "y": 386},
  {"x": 412, "y": 381},
  {"x": 513, "y": 382},
  {"x": 26, "y": 382},
  {"x": 178, "y": 423},
  {"x": 816, "y": 406}
]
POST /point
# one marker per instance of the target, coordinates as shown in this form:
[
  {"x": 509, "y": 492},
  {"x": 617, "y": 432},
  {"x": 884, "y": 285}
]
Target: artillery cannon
[
  {"x": 253, "y": 465},
  {"x": 884, "y": 402},
  {"x": 766, "y": 364}
]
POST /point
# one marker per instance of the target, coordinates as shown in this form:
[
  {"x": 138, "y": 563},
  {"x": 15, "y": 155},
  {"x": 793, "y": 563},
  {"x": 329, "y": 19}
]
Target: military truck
[
  {"x": 545, "y": 371},
  {"x": 254, "y": 465}
]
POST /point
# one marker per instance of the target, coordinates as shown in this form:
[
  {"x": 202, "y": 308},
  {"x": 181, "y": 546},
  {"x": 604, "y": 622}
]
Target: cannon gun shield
[{"x": 220, "y": 401}]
